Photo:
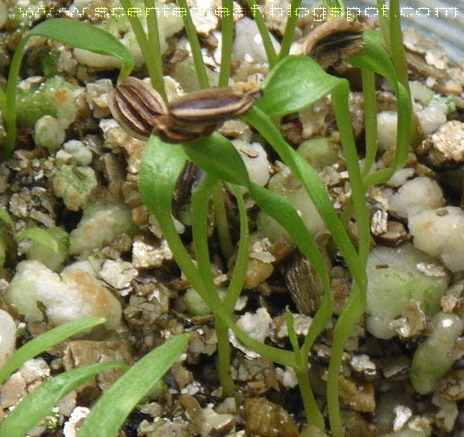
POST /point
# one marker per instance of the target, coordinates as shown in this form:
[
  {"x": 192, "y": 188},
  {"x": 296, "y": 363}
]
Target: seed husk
[
  {"x": 211, "y": 106},
  {"x": 141, "y": 111},
  {"x": 334, "y": 41},
  {"x": 136, "y": 106}
]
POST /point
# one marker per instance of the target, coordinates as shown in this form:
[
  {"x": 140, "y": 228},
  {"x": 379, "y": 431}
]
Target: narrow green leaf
[
  {"x": 85, "y": 36},
  {"x": 5, "y": 216},
  {"x": 44, "y": 342},
  {"x": 313, "y": 185},
  {"x": 374, "y": 57},
  {"x": 294, "y": 83},
  {"x": 219, "y": 157},
  {"x": 2, "y": 100},
  {"x": 161, "y": 165},
  {"x": 115, "y": 405},
  {"x": 38, "y": 404},
  {"x": 290, "y": 322},
  {"x": 271, "y": 54},
  {"x": 191, "y": 31}
]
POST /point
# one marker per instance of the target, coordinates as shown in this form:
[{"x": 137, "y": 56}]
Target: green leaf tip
[
  {"x": 38, "y": 403},
  {"x": 115, "y": 405},
  {"x": 293, "y": 84},
  {"x": 44, "y": 342},
  {"x": 87, "y": 37}
]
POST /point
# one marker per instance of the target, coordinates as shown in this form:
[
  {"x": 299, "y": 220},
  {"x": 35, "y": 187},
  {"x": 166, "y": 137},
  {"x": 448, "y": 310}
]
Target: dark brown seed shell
[
  {"x": 171, "y": 132},
  {"x": 304, "y": 284},
  {"x": 136, "y": 106},
  {"x": 211, "y": 106},
  {"x": 334, "y": 41}
]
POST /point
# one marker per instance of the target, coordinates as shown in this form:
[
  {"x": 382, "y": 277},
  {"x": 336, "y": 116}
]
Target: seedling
[
  {"x": 295, "y": 82},
  {"x": 113, "y": 407}
]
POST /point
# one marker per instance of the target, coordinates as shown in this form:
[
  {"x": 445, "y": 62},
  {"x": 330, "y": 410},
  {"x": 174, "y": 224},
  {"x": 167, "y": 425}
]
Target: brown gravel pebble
[{"x": 265, "y": 419}]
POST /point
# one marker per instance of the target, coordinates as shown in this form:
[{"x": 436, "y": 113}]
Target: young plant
[
  {"x": 209, "y": 154},
  {"x": 293, "y": 84},
  {"x": 67, "y": 31},
  {"x": 111, "y": 410},
  {"x": 44, "y": 342}
]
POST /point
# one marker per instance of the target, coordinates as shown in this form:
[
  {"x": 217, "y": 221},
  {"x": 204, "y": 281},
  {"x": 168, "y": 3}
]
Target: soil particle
[{"x": 266, "y": 419}]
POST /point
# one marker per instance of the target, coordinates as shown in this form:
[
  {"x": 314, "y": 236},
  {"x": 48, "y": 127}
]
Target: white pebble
[
  {"x": 432, "y": 117},
  {"x": 416, "y": 196},
  {"x": 49, "y": 132},
  {"x": 7, "y": 337},
  {"x": 386, "y": 130},
  {"x": 257, "y": 325},
  {"x": 72, "y": 296},
  {"x": 255, "y": 159},
  {"x": 440, "y": 233},
  {"x": 246, "y": 46}
]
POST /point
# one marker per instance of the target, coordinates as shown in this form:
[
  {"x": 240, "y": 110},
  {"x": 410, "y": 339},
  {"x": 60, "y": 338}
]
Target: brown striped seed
[
  {"x": 334, "y": 41},
  {"x": 171, "y": 132},
  {"x": 212, "y": 106},
  {"x": 141, "y": 111},
  {"x": 136, "y": 106}
]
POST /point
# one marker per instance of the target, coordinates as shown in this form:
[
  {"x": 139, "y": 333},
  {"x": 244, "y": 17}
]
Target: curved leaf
[
  {"x": 375, "y": 57},
  {"x": 38, "y": 404},
  {"x": 294, "y": 83},
  {"x": 85, "y": 36},
  {"x": 219, "y": 157},
  {"x": 161, "y": 166},
  {"x": 111, "y": 410},
  {"x": 159, "y": 171},
  {"x": 44, "y": 342},
  {"x": 39, "y": 236}
]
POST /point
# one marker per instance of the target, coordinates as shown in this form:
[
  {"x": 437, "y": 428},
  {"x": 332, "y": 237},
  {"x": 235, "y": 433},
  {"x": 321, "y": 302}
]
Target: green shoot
[
  {"x": 376, "y": 60},
  {"x": 195, "y": 46},
  {"x": 309, "y": 402},
  {"x": 2, "y": 101},
  {"x": 70, "y": 32},
  {"x": 370, "y": 119},
  {"x": 396, "y": 45},
  {"x": 38, "y": 404},
  {"x": 289, "y": 29},
  {"x": 227, "y": 33},
  {"x": 271, "y": 54},
  {"x": 111, "y": 410},
  {"x": 210, "y": 156},
  {"x": 44, "y": 342},
  {"x": 150, "y": 49},
  {"x": 161, "y": 166}
]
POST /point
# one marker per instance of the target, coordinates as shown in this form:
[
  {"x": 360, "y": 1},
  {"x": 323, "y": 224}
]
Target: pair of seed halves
[{"x": 141, "y": 111}]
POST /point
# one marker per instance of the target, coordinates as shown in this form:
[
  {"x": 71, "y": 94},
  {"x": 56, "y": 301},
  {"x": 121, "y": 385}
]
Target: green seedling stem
[
  {"x": 227, "y": 32},
  {"x": 195, "y": 46},
  {"x": 149, "y": 46},
  {"x": 290, "y": 27},
  {"x": 313, "y": 414},
  {"x": 370, "y": 119},
  {"x": 271, "y": 54}
]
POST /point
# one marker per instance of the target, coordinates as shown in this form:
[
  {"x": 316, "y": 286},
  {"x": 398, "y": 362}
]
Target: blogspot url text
[{"x": 317, "y": 13}]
